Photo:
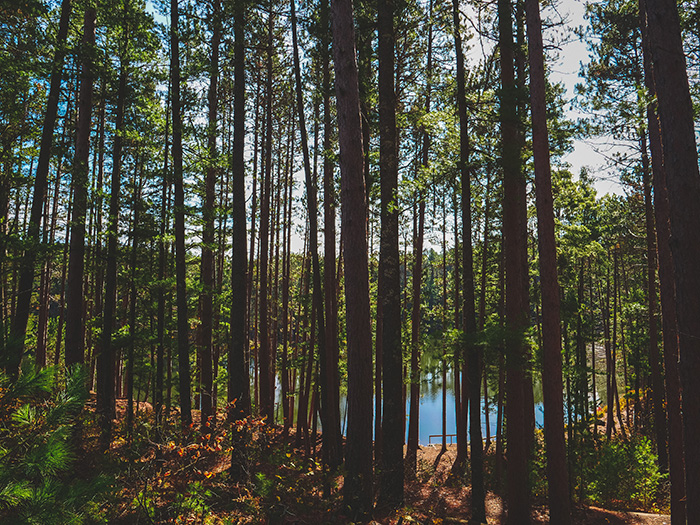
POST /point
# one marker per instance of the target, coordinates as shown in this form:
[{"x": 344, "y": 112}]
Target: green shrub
[
  {"x": 625, "y": 474},
  {"x": 264, "y": 487},
  {"x": 194, "y": 501},
  {"x": 647, "y": 474},
  {"x": 37, "y": 426}
]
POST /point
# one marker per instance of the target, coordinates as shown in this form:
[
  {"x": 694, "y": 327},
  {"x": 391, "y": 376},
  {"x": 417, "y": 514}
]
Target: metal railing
[{"x": 431, "y": 436}]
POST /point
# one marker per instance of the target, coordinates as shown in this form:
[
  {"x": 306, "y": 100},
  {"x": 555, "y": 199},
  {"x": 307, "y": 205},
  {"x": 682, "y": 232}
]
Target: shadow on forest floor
[
  {"x": 434, "y": 496},
  {"x": 596, "y": 516},
  {"x": 186, "y": 478}
]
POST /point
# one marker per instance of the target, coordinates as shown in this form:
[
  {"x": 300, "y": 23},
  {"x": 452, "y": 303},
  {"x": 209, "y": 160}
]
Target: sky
[{"x": 591, "y": 153}]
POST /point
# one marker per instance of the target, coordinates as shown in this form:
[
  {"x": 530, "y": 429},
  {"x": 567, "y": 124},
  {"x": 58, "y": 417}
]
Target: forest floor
[
  {"x": 432, "y": 495},
  {"x": 186, "y": 480}
]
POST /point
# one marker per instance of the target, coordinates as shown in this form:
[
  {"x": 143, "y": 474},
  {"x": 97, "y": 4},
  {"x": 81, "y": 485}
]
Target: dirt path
[
  {"x": 594, "y": 516},
  {"x": 433, "y": 499}
]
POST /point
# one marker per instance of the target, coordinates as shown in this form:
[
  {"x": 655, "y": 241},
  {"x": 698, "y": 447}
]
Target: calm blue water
[
  {"x": 430, "y": 417},
  {"x": 430, "y": 413}
]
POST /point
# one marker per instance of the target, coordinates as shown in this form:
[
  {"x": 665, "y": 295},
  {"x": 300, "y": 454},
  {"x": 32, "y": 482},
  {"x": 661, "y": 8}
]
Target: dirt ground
[{"x": 432, "y": 498}]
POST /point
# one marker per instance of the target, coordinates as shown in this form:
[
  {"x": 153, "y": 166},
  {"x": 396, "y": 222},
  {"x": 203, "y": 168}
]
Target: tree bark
[
  {"x": 266, "y": 382},
  {"x": 105, "y": 358},
  {"x": 667, "y": 290},
  {"x": 42, "y": 335},
  {"x": 657, "y": 386},
  {"x": 461, "y": 395},
  {"x": 413, "y": 418},
  {"x": 471, "y": 377},
  {"x": 515, "y": 247},
  {"x": 329, "y": 205},
  {"x": 162, "y": 252},
  {"x": 330, "y": 397},
  {"x": 683, "y": 183},
  {"x": 249, "y": 311},
  {"x": 392, "y": 468},
  {"x": 75, "y": 320},
  {"x": 358, "y": 481},
  {"x": 183, "y": 345},
  {"x": 64, "y": 272},
  {"x": 133, "y": 297},
  {"x": 208, "y": 240},
  {"x": 557, "y": 473},
  {"x": 413, "y": 422},
  {"x": 15, "y": 344}
]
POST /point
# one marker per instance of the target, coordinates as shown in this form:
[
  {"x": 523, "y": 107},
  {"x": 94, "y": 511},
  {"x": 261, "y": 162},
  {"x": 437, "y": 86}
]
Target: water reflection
[{"x": 430, "y": 419}]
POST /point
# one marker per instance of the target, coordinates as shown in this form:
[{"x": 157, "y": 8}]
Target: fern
[
  {"x": 48, "y": 459},
  {"x": 29, "y": 384},
  {"x": 36, "y": 452},
  {"x": 13, "y": 493}
]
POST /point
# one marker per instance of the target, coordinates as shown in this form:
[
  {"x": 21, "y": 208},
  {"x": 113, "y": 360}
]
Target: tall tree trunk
[
  {"x": 42, "y": 336},
  {"x": 616, "y": 309},
  {"x": 358, "y": 481},
  {"x": 460, "y": 416},
  {"x": 668, "y": 291},
  {"x": 444, "y": 326},
  {"x": 90, "y": 280},
  {"x": 557, "y": 475},
  {"x": 330, "y": 398},
  {"x": 378, "y": 366},
  {"x": 581, "y": 358},
  {"x": 515, "y": 247},
  {"x": 501, "y": 362},
  {"x": 283, "y": 158},
  {"x": 75, "y": 321},
  {"x": 485, "y": 252},
  {"x": 412, "y": 448},
  {"x": 414, "y": 377},
  {"x": 208, "y": 234},
  {"x": 593, "y": 364},
  {"x": 105, "y": 358},
  {"x": 183, "y": 344},
  {"x": 306, "y": 364},
  {"x": 238, "y": 372},
  {"x": 392, "y": 468},
  {"x": 461, "y": 391},
  {"x": 482, "y": 299},
  {"x": 250, "y": 311},
  {"x": 15, "y": 343},
  {"x": 288, "y": 379},
  {"x": 266, "y": 382},
  {"x": 683, "y": 183},
  {"x": 99, "y": 247},
  {"x": 162, "y": 253},
  {"x": 133, "y": 295},
  {"x": 657, "y": 386},
  {"x": 609, "y": 365},
  {"x": 473, "y": 356},
  {"x": 329, "y": 205},
  {"x": 471, "y": 377},
  {"x": 64, "y": 272}
]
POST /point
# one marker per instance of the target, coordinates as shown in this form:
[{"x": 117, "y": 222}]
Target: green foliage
[
  {"x": 263, "y": 486},
  {"x": 625, "y": 473},
  {"x": 37, "y": 484},
  {"x": 425, "y": 470},
  {"x": 194, "y": 500}
]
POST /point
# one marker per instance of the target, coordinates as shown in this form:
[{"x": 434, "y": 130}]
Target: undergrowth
[{"x": 38, "y": 434}]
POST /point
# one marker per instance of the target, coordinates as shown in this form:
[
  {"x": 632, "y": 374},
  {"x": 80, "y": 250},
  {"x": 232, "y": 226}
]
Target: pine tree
[{"x": 357, "y": 491}]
